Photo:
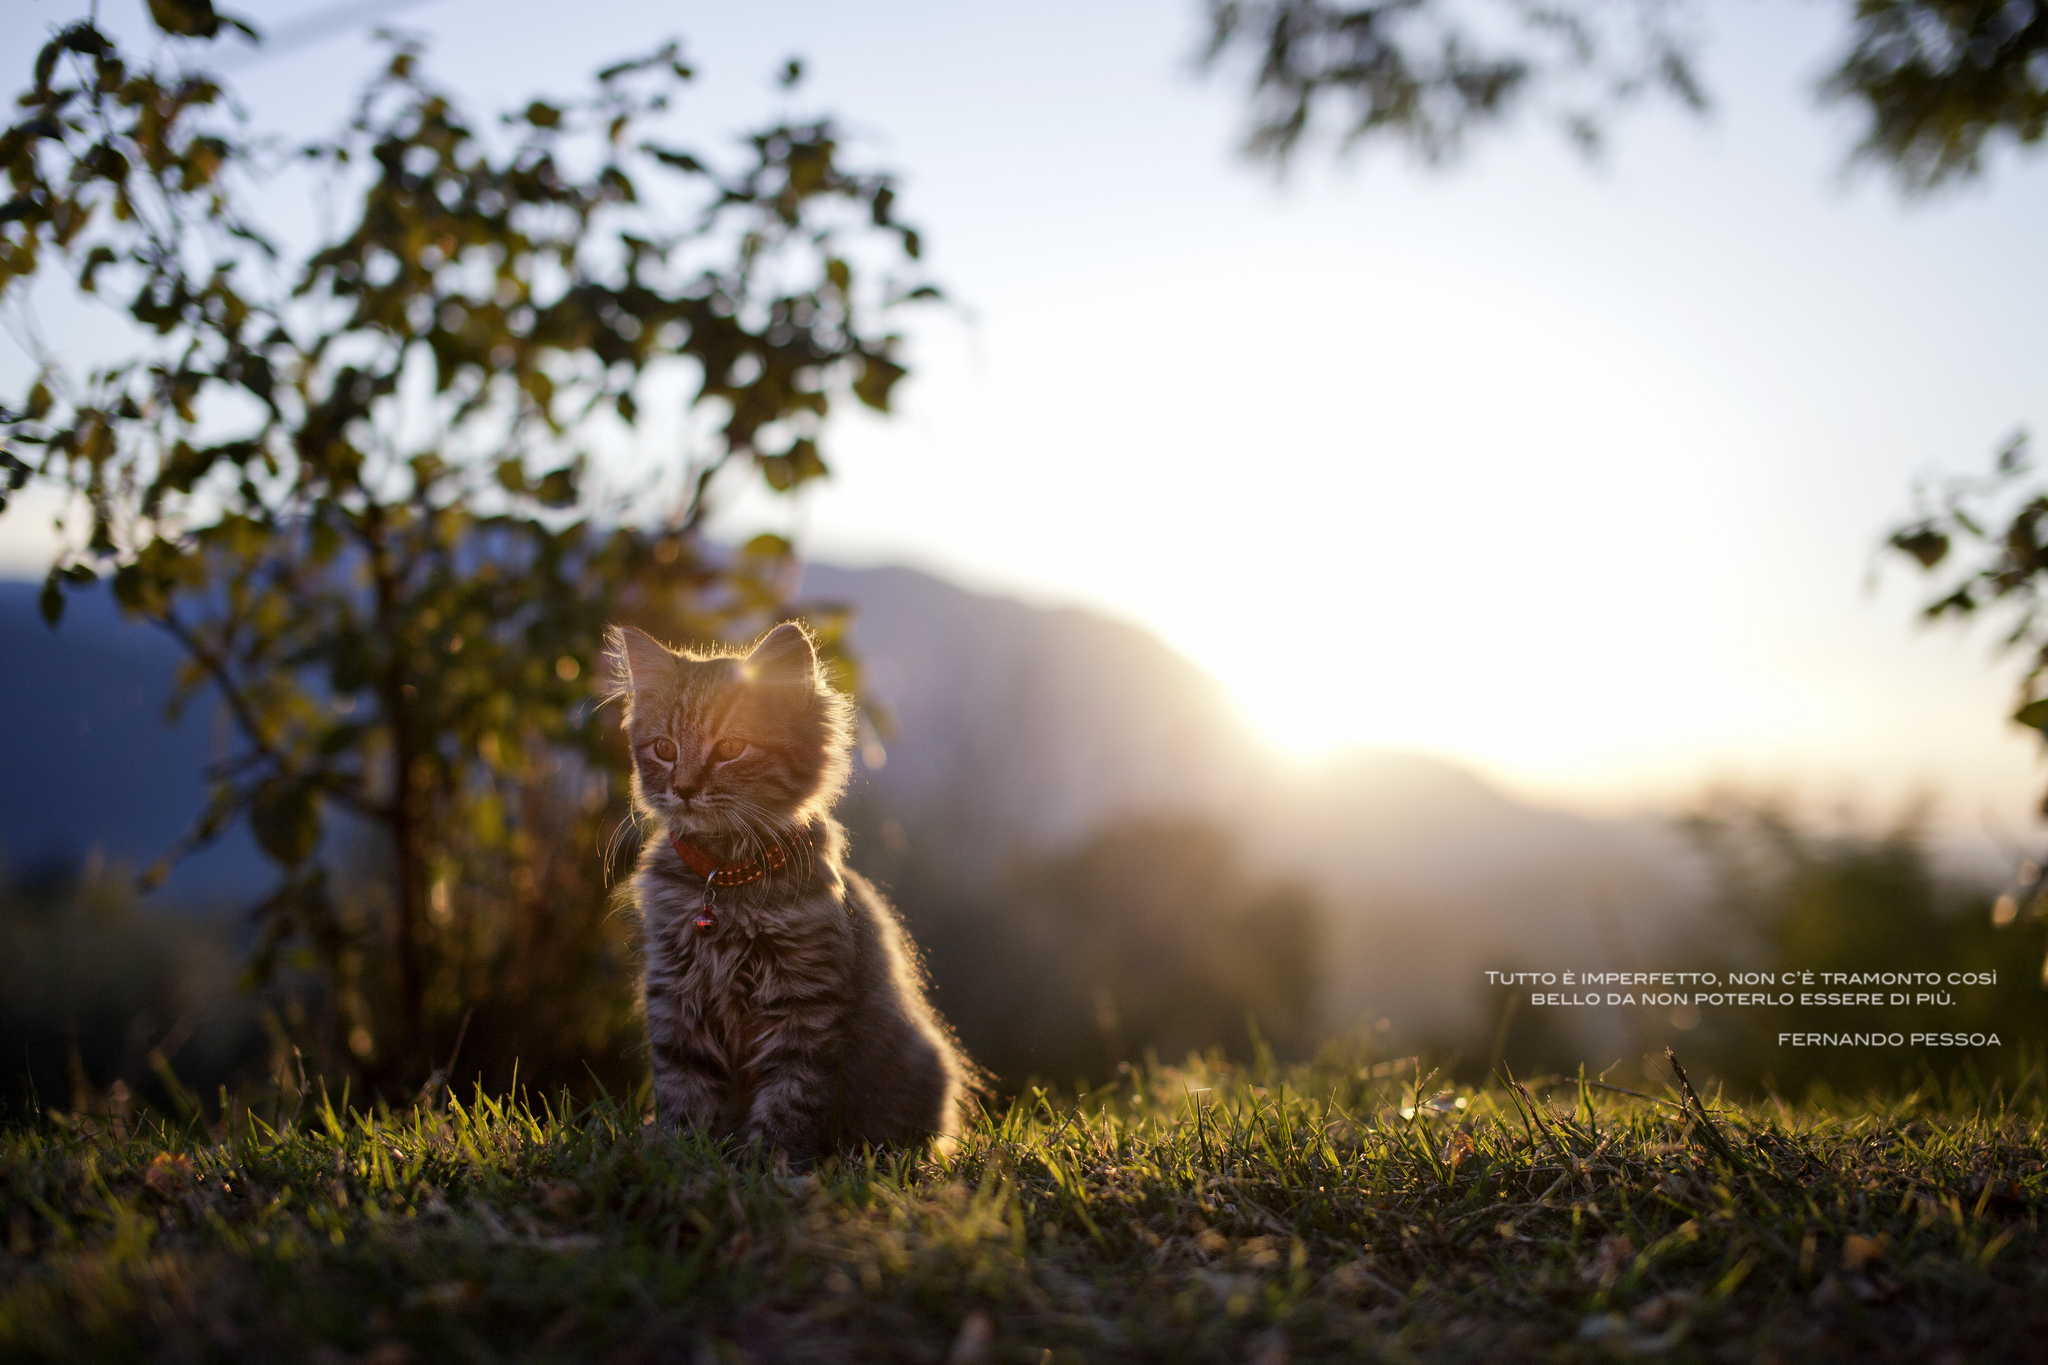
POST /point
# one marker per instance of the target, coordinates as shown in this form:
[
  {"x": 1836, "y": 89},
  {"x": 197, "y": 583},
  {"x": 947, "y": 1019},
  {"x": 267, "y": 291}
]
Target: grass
[{"x": 1190, "y": 1214}]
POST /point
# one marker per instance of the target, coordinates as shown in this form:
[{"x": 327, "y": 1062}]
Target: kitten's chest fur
[
  {"x": 769, "y": 945},
  {"x": 717, "y": 980}
]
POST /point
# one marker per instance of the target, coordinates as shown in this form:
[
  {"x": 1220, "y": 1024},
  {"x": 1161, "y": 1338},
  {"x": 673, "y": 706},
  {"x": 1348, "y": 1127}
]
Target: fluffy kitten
[{"x": 787, "y": 1004}]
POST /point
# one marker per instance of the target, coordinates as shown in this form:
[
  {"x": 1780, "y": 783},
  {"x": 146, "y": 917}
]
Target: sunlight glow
[{"x": 1487, "y": 521}]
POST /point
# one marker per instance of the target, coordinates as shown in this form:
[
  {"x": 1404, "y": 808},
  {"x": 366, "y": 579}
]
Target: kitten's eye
[
  {"x": 727, "y": 749},
  {"x": 665, "y": 750}
]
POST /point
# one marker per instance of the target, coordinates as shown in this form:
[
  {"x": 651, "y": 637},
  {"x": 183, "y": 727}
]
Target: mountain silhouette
[
  {"x": 1020, "y": 727},
  {"x": 1012, "y": 728}
]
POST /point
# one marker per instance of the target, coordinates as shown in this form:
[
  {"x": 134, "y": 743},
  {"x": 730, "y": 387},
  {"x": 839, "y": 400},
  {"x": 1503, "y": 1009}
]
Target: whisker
[
  {"x": 750, "y": 834},
  {"x": 615, "y": 842},
  {"x": 762, "y": 830},
  {"x": 608, "y": 849}
]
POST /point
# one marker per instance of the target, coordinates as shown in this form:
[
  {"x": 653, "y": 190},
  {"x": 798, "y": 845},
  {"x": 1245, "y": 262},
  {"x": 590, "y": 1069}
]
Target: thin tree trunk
[
  {"x": 406, "y": 837},
  {"x": 405, "y": 818}
]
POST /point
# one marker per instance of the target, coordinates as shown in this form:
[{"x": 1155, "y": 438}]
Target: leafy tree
[
  {"x": 363, "y": 485},
  {"x": 1940, "y": 81},
  {"x": 1426, "y": 74},
  {"x": 1990, "y": 535}
]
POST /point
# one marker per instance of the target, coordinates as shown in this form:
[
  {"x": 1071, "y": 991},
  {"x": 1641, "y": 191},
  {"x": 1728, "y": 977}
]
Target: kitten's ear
[
  {"x": 636, "y": 657},
  {"x": 784, "y": 657}
]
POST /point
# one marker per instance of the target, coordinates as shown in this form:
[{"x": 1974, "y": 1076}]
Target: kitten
[{"x": 784, "y": 1000}]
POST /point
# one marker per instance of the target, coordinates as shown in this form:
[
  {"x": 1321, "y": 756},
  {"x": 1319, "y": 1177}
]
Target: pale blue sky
[{"x": 1569, "y": 473}]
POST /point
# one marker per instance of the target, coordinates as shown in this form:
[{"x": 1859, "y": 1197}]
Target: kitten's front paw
[{"x": 799, "y": 1146}]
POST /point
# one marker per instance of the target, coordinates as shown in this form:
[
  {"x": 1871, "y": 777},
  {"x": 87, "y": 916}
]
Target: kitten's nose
[{"x": 689, "y": 793}]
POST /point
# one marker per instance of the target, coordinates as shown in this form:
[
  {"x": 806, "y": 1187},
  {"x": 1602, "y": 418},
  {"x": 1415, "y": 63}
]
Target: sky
[{"x": 1572, "y": 473}]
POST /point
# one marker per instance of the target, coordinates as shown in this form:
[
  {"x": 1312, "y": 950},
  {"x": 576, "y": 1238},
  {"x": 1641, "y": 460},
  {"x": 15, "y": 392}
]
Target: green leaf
[
  {"x": 285, "y": 818},
  {"x": 352, "y": 664},
  {"x": 131, "y": 586},
  {"x": 877, "y": 377},
  {"x": 557, "y": 488},
  {"x": 2012, "y": 456},
  {"x": 682, "y": 161},
  {"x": 511, "y": 476},
  {"x": 1923, "y": 543},
  {"x": 2034, "y": 715},
  {"x": 88, "y": 41},
  {"x": 185, "y": 18},
  {"x": 342, "y": 737},
  {"x": 99, "y": 256}
]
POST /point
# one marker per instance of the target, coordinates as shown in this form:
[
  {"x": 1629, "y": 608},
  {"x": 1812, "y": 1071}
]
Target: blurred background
[{"x": 1285, "y": 588}]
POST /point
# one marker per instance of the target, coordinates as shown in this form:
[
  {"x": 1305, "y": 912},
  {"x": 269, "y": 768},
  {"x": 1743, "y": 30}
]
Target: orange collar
[{"x": 717, "y": 873}]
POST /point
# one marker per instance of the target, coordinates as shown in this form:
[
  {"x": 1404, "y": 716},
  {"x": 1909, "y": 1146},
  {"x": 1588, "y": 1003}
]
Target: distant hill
[
  {"x": 90, "y": 765},
  {"x": 1017, "y": 725},
  {"x": 1033, "y": 725},
  {"x": 1015, "y": 728}
]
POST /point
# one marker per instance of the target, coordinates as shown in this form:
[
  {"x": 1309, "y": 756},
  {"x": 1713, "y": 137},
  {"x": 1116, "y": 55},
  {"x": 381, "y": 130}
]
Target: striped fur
[{"x": 800, "y": 1020}]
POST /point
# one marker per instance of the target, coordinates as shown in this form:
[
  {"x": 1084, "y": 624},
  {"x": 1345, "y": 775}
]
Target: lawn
[{"x": 1339, "y": 1211}]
